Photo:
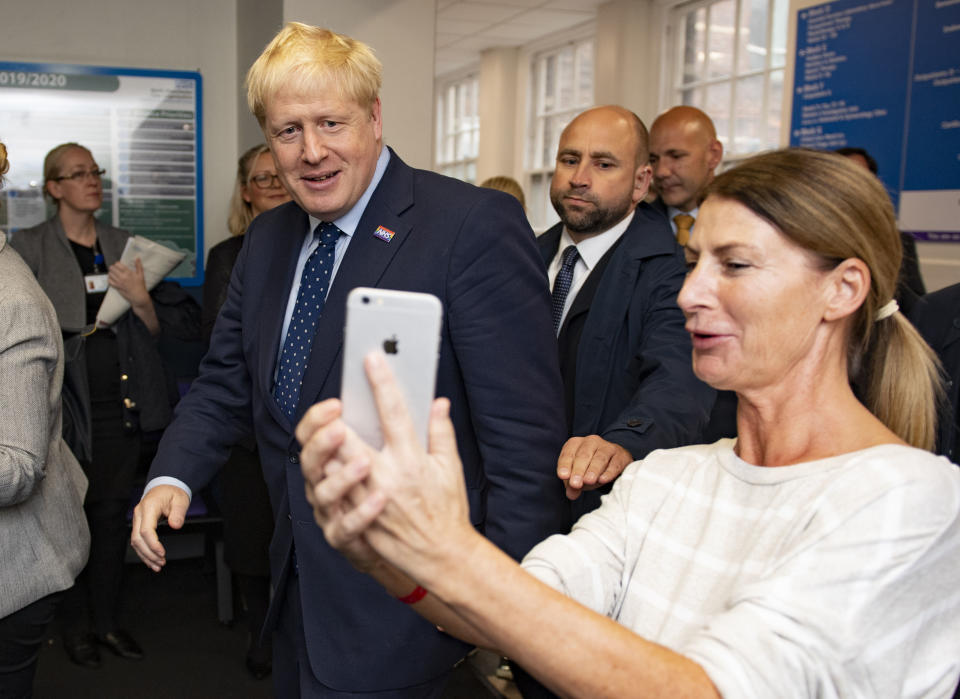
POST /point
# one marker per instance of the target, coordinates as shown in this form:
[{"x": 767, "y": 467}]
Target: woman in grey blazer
[
  {"x": 116, "y": 386},
  {"x": 43, "y": 534}
]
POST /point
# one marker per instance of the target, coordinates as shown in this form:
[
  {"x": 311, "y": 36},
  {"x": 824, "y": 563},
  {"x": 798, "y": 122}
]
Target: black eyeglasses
[
  {"x": 81, "y": 175},
  {"x": 265, "y": 180}
]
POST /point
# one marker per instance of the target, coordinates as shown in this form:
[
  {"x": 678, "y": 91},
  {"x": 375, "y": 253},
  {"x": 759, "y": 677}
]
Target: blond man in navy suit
[{"x": 316, "y": 96}]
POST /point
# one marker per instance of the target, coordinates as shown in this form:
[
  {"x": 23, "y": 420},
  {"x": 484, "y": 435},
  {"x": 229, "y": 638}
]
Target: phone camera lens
[{"x": 366, "y": 299}]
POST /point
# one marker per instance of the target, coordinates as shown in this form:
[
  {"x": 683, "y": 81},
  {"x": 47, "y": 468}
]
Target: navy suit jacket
[
  {"x": 937, "y": 317},
  {"x": 473, "y": 249},
  {"x": 634, "y": 382}
]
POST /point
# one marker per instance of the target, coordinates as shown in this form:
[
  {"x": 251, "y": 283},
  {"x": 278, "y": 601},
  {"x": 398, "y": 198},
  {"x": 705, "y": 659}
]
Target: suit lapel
[
  {"x": 286, "y": 239},
  {"x": 647, "y": 235},
  {"x": 364, "y": 264},
  {"x": 584, "y": 298}
]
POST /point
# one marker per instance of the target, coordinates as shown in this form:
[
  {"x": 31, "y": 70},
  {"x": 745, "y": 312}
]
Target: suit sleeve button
[{"x": 294, "y": 459}]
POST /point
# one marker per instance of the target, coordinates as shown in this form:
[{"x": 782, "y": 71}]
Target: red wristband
[{"x": 418, "y": 594}]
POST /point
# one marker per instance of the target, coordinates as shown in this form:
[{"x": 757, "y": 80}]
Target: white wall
[
  {"x": 402, "y": 33},
  {"x": 168, "y": 35},
  {"x": 258, "y": 21}
]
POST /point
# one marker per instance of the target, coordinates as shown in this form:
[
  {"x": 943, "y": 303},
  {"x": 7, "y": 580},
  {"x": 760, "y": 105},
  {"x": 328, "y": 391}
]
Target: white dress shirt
[
  {"x": 348, "y": 225},
  {"x": 592, "y": 250}
]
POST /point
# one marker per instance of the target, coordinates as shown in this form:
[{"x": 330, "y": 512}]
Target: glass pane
[
  {"x": 774, "y": 108},
  {"x": 720, "y": 39},
  {"x": 552, "y": 126},
  {"x": 471, "y": 173},
  {"x": 584, "y": 74},
  {"x": 694, "y": 39},
  {"x": 749, "y": 133},
  {"x": 451, "y": 121},
  {"x": 449, "y": 151},
  {"x": 565, "y": 78},
  {"x": 753, "y": 36},
  {"x": 549, "y": 84},
  {"x": 778, "y": 45},
  {"x": 717, "y": 105},
  {"x": 692, "y": 97}
]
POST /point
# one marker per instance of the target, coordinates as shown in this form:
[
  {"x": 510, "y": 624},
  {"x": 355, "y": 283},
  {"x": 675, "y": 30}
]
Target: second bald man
[{"x": 615, "y": 271}]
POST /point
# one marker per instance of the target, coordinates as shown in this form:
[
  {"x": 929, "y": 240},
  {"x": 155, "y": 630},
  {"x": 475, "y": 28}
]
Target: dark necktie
[
  {"x": 561, "y": 285},
  {"x": 314, "y": 282},
  {"x": 684, "y": 224}
]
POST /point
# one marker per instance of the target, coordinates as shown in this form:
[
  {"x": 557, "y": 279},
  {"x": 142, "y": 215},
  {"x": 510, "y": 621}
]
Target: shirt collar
[
  {"x": 349, "y": 221},
  {"x": 673, "y": 211},
  {"x": 594, "y": 247}
]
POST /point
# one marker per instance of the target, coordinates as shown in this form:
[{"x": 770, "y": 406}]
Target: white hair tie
[{"x": 887, "y": 310}]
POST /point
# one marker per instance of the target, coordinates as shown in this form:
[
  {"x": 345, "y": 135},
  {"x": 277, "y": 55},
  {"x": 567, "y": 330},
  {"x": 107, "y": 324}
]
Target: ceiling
[{"x": 467, "y": 27}]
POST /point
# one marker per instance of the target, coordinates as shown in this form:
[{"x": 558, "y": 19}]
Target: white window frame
[
  {"x": 673, "y": 86},
  {"x": 455, "y": 122},
  {"x": 538, "y": 165}
]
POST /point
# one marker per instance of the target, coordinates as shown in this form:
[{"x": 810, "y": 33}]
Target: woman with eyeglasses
[
  {"x": 247, "y": 517},
  {"x": 115, "y": 387}
]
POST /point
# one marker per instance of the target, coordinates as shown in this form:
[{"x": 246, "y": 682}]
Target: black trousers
[
  {"x": 93, "y": 601},
  {"x": 21, "y": 635}
]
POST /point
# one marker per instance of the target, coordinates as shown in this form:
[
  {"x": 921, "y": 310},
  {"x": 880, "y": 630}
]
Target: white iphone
[{"x": 405, "y": 326}]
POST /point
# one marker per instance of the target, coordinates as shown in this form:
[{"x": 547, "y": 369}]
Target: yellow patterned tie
[{"x": 684, "y": 224}]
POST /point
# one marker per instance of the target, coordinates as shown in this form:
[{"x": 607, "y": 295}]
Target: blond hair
[
  {"x": 306, "y": 59},
  {"x": 502, "y": 183},
  {"x": 241, "y": 211},
  {"x": 831, "y": 207},
  {"x": 51, "y": 166},
  {"x": 4, "y": 163}
]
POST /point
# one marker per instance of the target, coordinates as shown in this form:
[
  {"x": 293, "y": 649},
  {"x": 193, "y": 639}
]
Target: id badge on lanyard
[{"x": 96, "y": 283}]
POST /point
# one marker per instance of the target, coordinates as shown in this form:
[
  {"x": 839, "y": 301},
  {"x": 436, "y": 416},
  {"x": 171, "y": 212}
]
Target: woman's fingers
[
  {"x": 395, "y": 421},
  {"x": 330, "y": 493},
  {"x": 317, "y": 416},
  {"x": 441, "y": 438}
]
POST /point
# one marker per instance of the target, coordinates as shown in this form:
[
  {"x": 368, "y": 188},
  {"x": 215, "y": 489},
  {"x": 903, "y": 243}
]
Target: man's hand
[
  {"x": 162, "y": 500},
  {"x": 587, "y": 463}
]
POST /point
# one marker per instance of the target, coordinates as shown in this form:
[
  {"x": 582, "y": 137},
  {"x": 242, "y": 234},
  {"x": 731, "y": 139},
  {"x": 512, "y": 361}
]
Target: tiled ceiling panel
[{"x": 465, "y": 28}]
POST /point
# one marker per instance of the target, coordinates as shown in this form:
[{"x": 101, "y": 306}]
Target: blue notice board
[{"x": 884, "y": 75}]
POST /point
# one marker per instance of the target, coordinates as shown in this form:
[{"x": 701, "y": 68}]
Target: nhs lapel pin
[{"x": 384, "y": 234}]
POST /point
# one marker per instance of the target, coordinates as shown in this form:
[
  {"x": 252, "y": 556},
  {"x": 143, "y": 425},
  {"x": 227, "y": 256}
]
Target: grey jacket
[
  {"x": 43, "y": 532},
  {"x": 47, "y": 252}
]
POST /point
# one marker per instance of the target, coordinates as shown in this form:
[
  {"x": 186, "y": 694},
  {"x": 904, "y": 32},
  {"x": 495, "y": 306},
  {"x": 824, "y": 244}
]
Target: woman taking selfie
[{"x": 814, "y": 555}]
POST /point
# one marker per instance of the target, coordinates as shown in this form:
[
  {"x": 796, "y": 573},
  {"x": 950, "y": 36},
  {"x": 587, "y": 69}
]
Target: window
[
  {"x": 458, "y": 129},
  {"x": 561, "y": 87},
  {"x": 729, "y": 58}
]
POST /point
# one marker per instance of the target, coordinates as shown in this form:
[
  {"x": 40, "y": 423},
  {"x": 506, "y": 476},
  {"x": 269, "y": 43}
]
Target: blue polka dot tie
[
  {"x": 314, "y": 283},
  {"x": 561, "y": 285}
]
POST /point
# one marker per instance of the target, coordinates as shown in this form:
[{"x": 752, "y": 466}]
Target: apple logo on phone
[{"x": 390, "y": 345}]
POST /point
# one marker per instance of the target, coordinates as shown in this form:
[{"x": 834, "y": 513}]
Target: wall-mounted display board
[
  {"x": 884, "y": 75},
  {"x": 142, "y": 126}
]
